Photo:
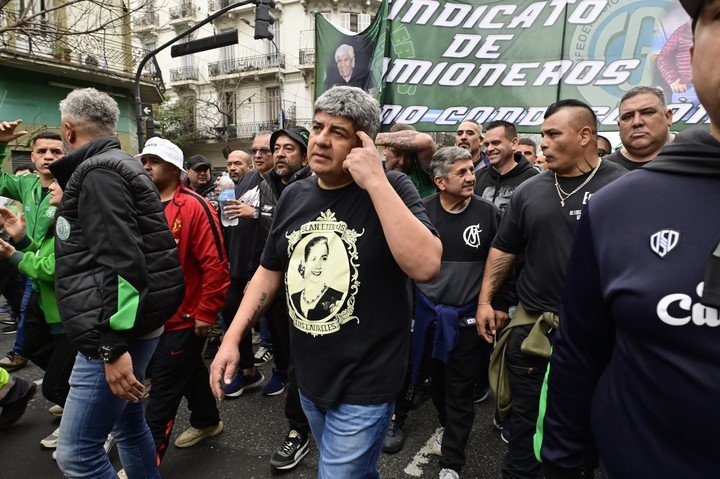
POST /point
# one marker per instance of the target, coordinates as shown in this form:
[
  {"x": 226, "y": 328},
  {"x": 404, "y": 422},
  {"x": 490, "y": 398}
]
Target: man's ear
[
  {"x": 70, "y": 132},
  {"x": 439, "y": 183}
]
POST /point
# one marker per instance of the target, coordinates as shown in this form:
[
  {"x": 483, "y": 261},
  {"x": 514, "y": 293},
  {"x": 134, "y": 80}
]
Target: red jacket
[{"x": 194, "y": 225}]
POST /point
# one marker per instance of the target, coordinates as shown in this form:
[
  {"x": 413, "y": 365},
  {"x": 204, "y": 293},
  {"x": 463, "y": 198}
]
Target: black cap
[
  {"x": 297, "y": 133},
  {"x": 197, "y": 160}
]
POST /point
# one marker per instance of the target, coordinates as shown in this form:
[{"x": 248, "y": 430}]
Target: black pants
[
  {"x": 9, "y": 286},
  {"x": 178, "y": 370},
  {"x": 233, "y": 299},
  {"x": 452, "y": 393},
  {"x": 53, "y": 353},
  {"x": 526, "y": 375},
  {"x": 279, "y": 325}
]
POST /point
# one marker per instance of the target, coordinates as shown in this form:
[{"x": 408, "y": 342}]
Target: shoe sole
[
  {"x": 261, "y": 362},
  {"x": 48, "y": 445},
  {"x": 13, "y": 368},
  {"x": 274, "y": 393},
  {"x": 481, "y": 399},
  {"x": 301, "y": 453},
  {"x": 220, "y": 428}
]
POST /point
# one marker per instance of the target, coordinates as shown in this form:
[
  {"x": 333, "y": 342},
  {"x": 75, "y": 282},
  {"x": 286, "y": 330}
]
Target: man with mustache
[
  {"x": 469, "y": 136},
  {"x": 644, "y": 121},
  {"x": 289, "y": 148}
]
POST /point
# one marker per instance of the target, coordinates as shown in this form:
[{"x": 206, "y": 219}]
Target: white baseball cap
[{"x": 166, "y": 151}]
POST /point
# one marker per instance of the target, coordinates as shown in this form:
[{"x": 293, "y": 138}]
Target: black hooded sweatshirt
[{"x": 497, "y": 188}]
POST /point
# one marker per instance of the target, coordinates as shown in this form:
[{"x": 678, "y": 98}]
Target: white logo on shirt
[
  {"x": 471, "y": 236},
  {"x": 664, "y": 241},
  {"x": 682, "y": 303}
]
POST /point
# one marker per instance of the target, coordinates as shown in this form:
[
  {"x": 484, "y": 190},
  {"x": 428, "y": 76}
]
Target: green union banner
[{"x": 434, "y": 63}]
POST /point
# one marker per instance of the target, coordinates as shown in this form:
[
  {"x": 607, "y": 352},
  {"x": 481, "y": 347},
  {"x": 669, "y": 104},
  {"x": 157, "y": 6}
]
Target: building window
[
  {"x": 228, "y": 108},
  {"x": 273, "y": 96},
  {"x": 355, "y": 22}
]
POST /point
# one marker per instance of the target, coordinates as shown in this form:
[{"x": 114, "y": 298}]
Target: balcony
[
  {"x": 89, "y": 57},
  {"x": 183, "y": 15},
  {"x": 250, "y": 67},
  {"x": 146, "y": 23},
  {"x": 307, "y": 56},
  {"x": 184, "y": 75},
  {"x": 215, "y": 5}
]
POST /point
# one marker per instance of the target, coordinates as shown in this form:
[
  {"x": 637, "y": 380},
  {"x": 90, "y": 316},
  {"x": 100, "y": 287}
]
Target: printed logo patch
[
  {"x": 62, "y": 228},
  {"x": 471, "y": 236},
  {"x": 662, "y": 242},
  {"x": 50, "y": 212}
]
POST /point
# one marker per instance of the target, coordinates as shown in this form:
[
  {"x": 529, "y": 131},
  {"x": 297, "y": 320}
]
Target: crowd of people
[{"x": 583, "y": 296}]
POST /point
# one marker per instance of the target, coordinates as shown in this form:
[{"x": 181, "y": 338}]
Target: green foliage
[{"x": 177, "y": 118}]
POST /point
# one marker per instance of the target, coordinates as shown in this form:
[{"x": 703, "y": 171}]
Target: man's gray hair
[
  {"x": 641, "y": 90},
  {"x": 352, "y": 104},
  {"x": 342, "y": 49},
  {"x": 96, "y": 111},
  {"x": 444, "y": 158}
]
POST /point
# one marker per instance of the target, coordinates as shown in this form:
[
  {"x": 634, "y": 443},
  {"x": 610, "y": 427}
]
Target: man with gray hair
[
  {"x": 444, "y": 336},
  {"x": 644, "y": 121},
  {"x": 347, "y": 74},
  {"x": 118, "y": 279},
  {"x": 347, "y": 226}
]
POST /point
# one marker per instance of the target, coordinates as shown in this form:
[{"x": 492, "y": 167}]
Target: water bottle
[{"x": 227, "y": 193}]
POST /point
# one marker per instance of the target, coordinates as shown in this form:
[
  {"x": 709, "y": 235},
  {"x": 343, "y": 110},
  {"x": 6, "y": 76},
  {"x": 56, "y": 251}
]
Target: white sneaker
[
  {"x": 50, "y": 442},
  {"x": 56, "y": 410},
  {"x": 437, "y": 443},
  {"x": 448, "y": 474},
  {"x": 262, "y": 356}
]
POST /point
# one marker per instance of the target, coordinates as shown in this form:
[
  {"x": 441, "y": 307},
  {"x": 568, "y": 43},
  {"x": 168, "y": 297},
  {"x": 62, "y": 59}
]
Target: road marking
[{"x": 414, "y": 468}]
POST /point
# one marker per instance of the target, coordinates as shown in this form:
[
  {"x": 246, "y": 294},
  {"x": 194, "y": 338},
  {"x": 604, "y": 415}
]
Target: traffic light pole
[{"x": 146, "y": 58}]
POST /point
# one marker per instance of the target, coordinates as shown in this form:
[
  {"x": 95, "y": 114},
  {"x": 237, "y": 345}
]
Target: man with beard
[
  {"x": 469, "y": 136},
  {"x": 644, "y": 121},
  {"x": 634, "y": 377},
  {"x": 290, "y": 152}
]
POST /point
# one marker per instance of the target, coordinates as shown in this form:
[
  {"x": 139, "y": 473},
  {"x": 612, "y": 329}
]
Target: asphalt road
[{"x": 254, "y": 427}]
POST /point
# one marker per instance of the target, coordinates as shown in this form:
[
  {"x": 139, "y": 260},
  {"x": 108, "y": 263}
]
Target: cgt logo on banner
[{"x": 435, "y": 63}]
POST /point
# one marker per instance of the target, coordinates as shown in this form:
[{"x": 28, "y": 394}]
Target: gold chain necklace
[{"x": 560, "y": 191}]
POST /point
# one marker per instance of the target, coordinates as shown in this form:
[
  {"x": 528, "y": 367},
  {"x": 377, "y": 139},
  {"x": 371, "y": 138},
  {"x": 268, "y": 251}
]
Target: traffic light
[
  {"x": 263, "y": 19},
  {"x": 152, "y": 128}
]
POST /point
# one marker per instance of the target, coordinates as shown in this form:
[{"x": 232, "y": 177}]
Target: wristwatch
[
  {"x": 110, "y": 353},
  {"x": 256, "y": 214}
]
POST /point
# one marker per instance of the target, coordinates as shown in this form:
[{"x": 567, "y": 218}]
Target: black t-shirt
[
  {"x": 536, "y": 224},
  {"x": 466, "y": 238},
  {"x": 347, "y": 297},
  {"x": 623, "y": 161}
]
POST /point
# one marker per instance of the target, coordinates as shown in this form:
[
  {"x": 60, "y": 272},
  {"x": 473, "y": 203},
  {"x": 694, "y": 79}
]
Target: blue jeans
[
  {"x": 26, "y": 290},
  {"x": 349, "y": 437},
  {"x": 92, "y": 412}
]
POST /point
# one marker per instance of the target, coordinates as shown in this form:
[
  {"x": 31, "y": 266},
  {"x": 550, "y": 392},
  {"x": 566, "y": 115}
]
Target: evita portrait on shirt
[{"x": 318, "y": 289}]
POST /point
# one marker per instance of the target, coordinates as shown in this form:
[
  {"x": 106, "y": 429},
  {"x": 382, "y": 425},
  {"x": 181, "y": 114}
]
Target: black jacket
[
  {"x": 497, "y": 188},
  {"x": 270, "y": 190},
  {"x": 117, "y": 269}
]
